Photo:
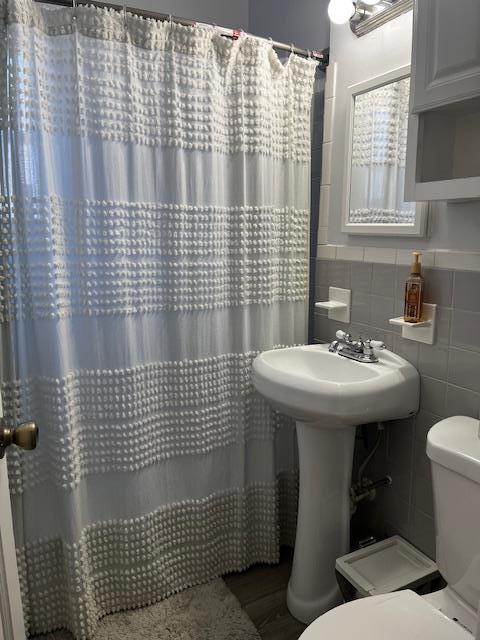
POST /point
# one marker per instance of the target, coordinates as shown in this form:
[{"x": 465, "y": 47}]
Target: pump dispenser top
[{"x": 416, "y": 267}]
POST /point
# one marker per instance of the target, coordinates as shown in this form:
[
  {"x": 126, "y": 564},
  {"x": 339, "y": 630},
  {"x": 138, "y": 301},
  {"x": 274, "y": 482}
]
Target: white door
[{"x": 12, "y": 626}]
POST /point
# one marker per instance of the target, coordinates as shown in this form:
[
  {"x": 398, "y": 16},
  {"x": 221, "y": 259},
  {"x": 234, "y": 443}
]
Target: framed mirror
[{"x": 375, "y": 159}]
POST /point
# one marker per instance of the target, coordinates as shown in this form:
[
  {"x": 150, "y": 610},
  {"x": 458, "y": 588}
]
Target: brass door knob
[{"x": 25, "y": 436}]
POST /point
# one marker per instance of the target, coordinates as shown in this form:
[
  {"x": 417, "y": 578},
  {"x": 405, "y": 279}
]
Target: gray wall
[
  {"x": 303, "y": 22},
  {"x": 230, "y": 13}
]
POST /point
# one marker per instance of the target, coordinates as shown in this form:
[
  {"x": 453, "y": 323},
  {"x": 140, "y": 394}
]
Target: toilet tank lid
[{"x": 454, "y": 443}]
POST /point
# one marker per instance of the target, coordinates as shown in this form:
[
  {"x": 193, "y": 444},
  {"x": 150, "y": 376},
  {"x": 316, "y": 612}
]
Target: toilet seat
[{"x": 402, "y": 615}]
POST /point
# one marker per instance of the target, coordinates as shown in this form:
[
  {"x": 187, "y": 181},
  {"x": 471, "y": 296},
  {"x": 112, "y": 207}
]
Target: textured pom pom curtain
[{"x": 155, "y": 217}]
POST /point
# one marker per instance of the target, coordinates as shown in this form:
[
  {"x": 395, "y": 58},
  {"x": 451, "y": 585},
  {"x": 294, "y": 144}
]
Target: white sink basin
[
  {"x": 328, "y": 395},
  {"x": 309, "y": 383}
]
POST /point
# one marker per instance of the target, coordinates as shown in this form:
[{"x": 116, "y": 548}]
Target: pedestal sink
[{"x": 328, "y": 395}]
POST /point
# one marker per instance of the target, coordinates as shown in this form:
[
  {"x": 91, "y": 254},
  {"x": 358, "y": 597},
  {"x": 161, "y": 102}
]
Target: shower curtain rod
[{"x": 320, "y": 56}]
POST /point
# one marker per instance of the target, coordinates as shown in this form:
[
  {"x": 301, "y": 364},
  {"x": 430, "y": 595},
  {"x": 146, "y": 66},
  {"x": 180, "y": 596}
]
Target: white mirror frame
[{"x": 418, "y": 228}]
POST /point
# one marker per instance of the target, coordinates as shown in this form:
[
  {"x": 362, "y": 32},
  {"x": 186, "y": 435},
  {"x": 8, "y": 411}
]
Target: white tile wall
[
  {"x": 326, "y": 163},
  {"x": 324, "y": 206},
  {"x": 328, "y": 119},
  {"x": 442, "y": 259}
]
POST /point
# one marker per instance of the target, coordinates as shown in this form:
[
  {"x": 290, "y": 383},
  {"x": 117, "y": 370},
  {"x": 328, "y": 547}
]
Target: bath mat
[{"x": 207, "y": 612}]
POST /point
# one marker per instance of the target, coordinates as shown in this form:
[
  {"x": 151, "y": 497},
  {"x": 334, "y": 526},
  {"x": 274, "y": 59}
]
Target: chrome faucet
[{"x": 359, "y": 350}]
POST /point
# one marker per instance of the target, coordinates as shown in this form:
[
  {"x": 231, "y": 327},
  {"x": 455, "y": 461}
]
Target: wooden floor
[{"x": 262, "y": 592}]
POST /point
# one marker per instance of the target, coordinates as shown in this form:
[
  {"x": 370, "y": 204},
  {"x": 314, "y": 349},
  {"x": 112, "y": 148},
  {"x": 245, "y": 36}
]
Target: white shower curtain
[{"x": 155, "y": 216}]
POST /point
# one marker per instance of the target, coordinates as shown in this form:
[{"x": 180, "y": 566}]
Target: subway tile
[
  {"x": 331, "y": 80},
  {"x": 422, "y": 494},
  {"x": 438, "y": 287},
  {"x": 326, "y": 154},
  {"x": 321, "y": 294},
  {"x": 432, "y": 395},
  {"x": 350, "y": 253},
  {"x": 421, "y": 462},
  {"x": 321, "y": 272},
  {"x": 433, "y": 360},
  {"x": 401, "y": 479},
  {"x": 325, "y": 329},
  {"x": 395, "y": 510},
  {"x": 401, "y": 275},
  {"x": 327, "y": 252},
  {"x": 376, "y": 254},
  {"x": 383, "y": 280},
  {"x": 328, "y": 119},
  {"x": 424, "y": 421},
  {"x": 457, "y": 260},
  {"x": 361, "y": 277},
  {"x": 444, "y": 316},
  {"x": 459, "y": 401},
  {"x": 339, "y": 274},
  {"x": 324, "y": 205},
  {"x": 321, "y": 327},
  {"x": 322, "y": 235},
  {"x": 398, "y": 310},
  {"x": 421, "y": 532},
  {"x": 381, "y": 311},
  {"x": 464, "y": 369},
  {"x": 465, "y": 329},
  {"x": 361, "y": 305},
  {"x": 407, "y": 349},
  {"x": 466, "y": 292}
]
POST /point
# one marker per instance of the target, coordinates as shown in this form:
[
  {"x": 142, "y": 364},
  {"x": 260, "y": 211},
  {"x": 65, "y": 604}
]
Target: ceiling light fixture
[{"x": 340, "y": 11}]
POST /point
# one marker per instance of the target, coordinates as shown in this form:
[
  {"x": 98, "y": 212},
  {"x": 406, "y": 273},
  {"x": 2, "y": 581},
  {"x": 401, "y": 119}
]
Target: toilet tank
[{"x": 453, "y": 446}]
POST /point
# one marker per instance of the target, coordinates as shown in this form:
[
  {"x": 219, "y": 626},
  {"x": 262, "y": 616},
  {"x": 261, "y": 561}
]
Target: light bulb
[
  {"x": 340, "y": 11},
  {"x": 370, "y": 3}
]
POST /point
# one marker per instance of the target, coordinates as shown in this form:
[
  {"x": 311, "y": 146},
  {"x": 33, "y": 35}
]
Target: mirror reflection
[{"x": 379, "y": 143}]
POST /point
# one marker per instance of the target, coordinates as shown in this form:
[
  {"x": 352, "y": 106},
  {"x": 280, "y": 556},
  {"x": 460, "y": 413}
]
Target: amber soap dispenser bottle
[{"x": 414, "y": 292}]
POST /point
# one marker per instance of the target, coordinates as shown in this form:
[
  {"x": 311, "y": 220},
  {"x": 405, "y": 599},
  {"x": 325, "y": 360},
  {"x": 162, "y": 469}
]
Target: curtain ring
[
  {"x": 291, "y": 48},
  {"x": 170, "y": 18}
]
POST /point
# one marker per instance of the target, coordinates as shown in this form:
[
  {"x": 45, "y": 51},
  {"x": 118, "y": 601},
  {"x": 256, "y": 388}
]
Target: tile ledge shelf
[{"x": 439, "y": 258}]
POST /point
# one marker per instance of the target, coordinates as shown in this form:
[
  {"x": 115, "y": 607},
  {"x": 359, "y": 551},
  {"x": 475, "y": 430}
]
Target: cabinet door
[{"x": 446, "y": 52}]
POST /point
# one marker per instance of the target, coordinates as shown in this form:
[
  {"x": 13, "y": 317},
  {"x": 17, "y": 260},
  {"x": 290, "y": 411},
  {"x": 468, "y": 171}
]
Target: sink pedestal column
[{"x": 323, "y": 526}]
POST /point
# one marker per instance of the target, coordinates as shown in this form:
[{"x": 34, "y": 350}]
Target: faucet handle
[{"x": 342, "y": 335}]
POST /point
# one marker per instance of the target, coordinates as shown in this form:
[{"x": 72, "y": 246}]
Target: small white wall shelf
[
  {"x": 339, "y": 304},
  {"x": 423, "y": 331}
]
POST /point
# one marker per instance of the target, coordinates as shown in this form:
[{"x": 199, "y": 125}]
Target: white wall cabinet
[
  {"x": 443, "y": 151},
  {"x": 446, "y": 52}
]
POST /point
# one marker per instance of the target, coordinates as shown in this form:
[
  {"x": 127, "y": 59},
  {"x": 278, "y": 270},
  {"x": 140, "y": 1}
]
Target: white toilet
[{"x": 453, "y": 446}]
